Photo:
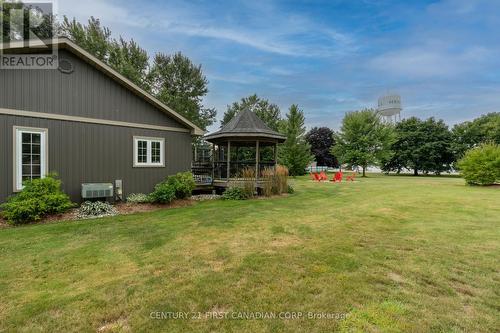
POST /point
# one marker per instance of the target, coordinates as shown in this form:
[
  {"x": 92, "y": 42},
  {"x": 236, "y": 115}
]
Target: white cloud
[
  {"x": 269, "y": 31},
  {"x": 429, "y": 62},
  {"x": 244, "y": 79},
  {"x": 83, "y": 10},
  {"x": 232, "y": 35},
  {"x": 416, "y": 63}
]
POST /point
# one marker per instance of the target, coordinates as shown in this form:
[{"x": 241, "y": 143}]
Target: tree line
[{"x": 423, "y": 146}]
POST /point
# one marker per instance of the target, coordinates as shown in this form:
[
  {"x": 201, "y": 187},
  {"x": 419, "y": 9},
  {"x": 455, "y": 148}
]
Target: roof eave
[{"x": 215, "y": 136}]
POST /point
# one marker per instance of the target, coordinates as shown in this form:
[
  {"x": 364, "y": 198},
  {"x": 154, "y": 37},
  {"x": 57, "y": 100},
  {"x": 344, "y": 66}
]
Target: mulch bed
[
  {"x": 123, "y": 208},
  {"x": 127, "y": 208}
]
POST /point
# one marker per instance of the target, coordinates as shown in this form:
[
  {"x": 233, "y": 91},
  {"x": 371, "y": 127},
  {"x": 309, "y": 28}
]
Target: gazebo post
[
  {"x": 213, "y": 162},
  {"x": 275, "y": 154},
  {"x": 237, "y": 161},
  {"x": 228, "y": 160},
  {"x": 257, "y": 161}
]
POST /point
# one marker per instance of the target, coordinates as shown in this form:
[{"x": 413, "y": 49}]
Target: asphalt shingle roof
[{"x": 246, "y": 123}]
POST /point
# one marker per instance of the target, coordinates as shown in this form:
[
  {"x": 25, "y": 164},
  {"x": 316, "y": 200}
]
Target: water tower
[{"x": 389, "y": 108}]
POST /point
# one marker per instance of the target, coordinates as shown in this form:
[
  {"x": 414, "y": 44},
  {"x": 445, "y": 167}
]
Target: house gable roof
[
  {"x": 246, "y": 124},
  {"x": 66, "y": 44}
]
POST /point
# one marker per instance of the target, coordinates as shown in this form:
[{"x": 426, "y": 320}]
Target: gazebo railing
[
  {"x": 236, "y": 168},
  {"x": 220, "y": 170}
]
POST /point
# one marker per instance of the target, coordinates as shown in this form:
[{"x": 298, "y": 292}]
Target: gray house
[{"x": 89, "y": 124}]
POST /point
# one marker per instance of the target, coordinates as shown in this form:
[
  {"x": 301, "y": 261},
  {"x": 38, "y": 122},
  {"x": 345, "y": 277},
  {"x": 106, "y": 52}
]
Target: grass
[{"x": 392, "y": 253}]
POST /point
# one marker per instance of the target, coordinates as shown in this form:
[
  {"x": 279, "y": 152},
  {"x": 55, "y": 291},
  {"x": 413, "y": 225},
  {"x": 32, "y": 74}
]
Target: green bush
[
  {"x": 481, "y": 165},
  {"x": 94, "y": 209},
  {"x": 290, "y": 189},
  {"x": 235, "y": 193},
  {"x": 183, "y": 183},
  {"x": 179, "y": 186},
  {"x": 39, "y": 197},
  {"x": 138, "y": 198},
  {"x": 164, "y": 192}
]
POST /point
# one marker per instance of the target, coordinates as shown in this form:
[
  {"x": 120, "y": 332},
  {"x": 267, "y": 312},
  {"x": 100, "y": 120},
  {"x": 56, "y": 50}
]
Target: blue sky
[{"x": 329, "y": 57}]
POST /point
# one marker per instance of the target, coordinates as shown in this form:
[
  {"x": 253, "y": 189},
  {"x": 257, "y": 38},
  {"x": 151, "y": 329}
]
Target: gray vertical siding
[
  {"x": 83, "y": 152},
  {"x": 86, "y": 92}
]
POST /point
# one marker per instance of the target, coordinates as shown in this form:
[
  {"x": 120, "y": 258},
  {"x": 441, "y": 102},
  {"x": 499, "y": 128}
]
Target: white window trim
[
  {"x": 148, "y": 164},
  {"x": 44, "y": 153}
]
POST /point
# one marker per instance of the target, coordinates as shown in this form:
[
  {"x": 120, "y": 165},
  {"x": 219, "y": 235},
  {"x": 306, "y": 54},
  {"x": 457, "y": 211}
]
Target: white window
[
  {"x": 30, "y": 154},
  {"x": 149, "y": 152}
]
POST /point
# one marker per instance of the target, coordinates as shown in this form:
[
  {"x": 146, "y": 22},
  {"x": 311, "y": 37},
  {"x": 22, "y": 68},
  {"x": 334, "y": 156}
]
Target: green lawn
[{"x": 393, "y": 253}]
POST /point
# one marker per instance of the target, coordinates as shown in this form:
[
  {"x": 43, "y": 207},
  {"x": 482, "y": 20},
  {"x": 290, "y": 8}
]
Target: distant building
[{"x": 389, "y": 108}]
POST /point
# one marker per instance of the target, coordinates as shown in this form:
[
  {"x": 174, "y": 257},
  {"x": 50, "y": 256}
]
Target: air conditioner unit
[{"x": 97, "y": 190}]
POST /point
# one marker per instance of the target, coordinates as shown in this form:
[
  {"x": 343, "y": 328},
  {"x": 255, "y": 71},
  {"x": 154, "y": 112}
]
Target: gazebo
[{"x": 245, "y": 142}]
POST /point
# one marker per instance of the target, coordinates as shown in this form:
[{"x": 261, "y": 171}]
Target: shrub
[
  {"x": 95, "y": 209},
  {"x": 138, "y": 198},
  {"x": 164, "y": 192},
  {"x": 234, "y": 193},
  {"x": 248, "y": 175},
  {"x": 281, "y": 179},
  {"x": 481, "y": 165},
  {"x": 290, "y": 189},
  {"x": 39, "y": 197},
  {"x": 268, "y": 184},
  {"x": 275, "y": 180},
  {"x": 183, "y": 184},
  {"x": 179, "y": 186}
]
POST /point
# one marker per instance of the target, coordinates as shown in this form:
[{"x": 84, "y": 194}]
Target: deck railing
[
  {"x": 236, "y": 168},
  {"x": 204, "y": 172}
]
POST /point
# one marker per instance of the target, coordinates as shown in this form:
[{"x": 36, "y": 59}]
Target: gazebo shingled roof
[{"x": 245, "y": 124}]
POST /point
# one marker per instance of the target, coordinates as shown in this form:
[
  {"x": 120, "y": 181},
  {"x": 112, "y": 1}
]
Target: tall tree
[
  {"x": 321, "y": 141},
  {"x": 92, "y": 37},
  {"x": 470, "y": 134},
  {"x": 131, "y": 61},
  {"x": 127, "y": 58},
  {"x": 421, "y": 146},
  {"x": 268, "y": 112},
  {"x": 180, "y": 84},
  {"x": 363, "y": 139},
  {"x": 295, "y": 153}
]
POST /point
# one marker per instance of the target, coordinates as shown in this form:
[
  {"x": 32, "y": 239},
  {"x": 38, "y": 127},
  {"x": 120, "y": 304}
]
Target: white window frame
[
  {"x": 18, "y": 153},
  {"x": 148, "y": 163}
]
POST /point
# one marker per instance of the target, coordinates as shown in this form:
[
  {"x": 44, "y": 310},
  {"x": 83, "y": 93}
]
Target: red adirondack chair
[
  {"x": 351, "y": 177},
  {"x": 323, "y": 176},
  {"x": 317, "y": 177},
  {"x": 338, "y": 177}
]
